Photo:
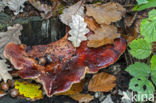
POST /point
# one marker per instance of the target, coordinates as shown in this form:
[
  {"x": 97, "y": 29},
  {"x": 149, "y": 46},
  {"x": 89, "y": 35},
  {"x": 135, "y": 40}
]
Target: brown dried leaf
[
  {"x": 102, "y": 82},
  {"x": 91, "y": 23},
  {"x": 75, "y": 89},
  {"x": 82, "y": 98},
  {"x": 104, "y": 35},
  {"x": 106, "y": 13}
]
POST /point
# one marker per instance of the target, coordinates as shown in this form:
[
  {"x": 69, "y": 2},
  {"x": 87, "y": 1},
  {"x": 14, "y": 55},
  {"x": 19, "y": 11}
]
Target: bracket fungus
[{"x": 63, "y": 64}]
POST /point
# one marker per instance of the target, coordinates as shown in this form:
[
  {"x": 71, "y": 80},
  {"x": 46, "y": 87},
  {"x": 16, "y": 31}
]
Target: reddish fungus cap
[{"x": 65, "y": 64}]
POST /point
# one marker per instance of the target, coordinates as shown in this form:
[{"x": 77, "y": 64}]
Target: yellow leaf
[
  {"x": 29, "y": 90},
  {"x": 102, "y": 82}
]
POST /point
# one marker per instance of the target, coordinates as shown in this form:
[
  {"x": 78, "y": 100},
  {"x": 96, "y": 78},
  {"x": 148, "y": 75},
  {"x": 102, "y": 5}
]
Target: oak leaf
[
  {"x": 4, "y": 71},
  {"x": 102, "y": 82},
  {"x": 105, "y": 13},
  {"x": 82, "y": 98},
  {"x": 78, "y": 30},
  {"x": 104, "y": 35},
  {"x": 12, "y": 35},
  {"x": 15, "y": 5},
  {"x": 76, "y": 9}
]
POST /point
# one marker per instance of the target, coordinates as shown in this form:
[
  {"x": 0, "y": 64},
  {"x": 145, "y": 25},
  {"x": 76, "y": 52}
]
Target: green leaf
[
  {"x": 153, "y": 62},
  {"x": 139, "y": 69},
  {"x": 140, "y": 48},
  {"x": 142, "y": 2},
  {"x": 142, "y": 86},
  {"x": 148, "y": 27},
  {"x": 153, "y": 76},
  {"x": 152, "y": 14},
  {"x": 149, "y": 4},
  {"x": 153, "y": 69}
]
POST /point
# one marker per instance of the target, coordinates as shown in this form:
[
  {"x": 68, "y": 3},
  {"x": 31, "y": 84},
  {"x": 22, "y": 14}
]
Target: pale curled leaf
[
  {"x": 78, "y": 30},
  {"x": 4, "y": 71},
  {"x": 11, "y": 35},
  {"x": 106, "y": 13},
  {"x": 1, "y": 6},
  {"x": 76, "y": 9},
  {"x": 102, "y": 82},
  {"x": 15, "y": 5},
  {"x": 108, "y": 99},
  {"x": 41, "y": 7}
]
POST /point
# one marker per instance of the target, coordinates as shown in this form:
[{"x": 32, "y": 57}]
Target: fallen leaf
[
  {"x": 49, "y": 10},
  {"x": 78, "y": 30},
  {"x": 75, "y": 89},
  {"x": 91, "y": 23},
  {"x": 15, "y": 5},
  {"x": 4, "y": 71},
  {"x": 104, "y": 35},
  {"x": 108, "y": 99},
  {"x": 82, "y": 98},
  {"x": 1, "y": 6},
  {"x": 29, "y": 90},
  {"x": 76, "y": 9},
  {"x": 102, "y": 82},
  {"x": 105, "y": 13},
  {"x": 12, "y": 35},
  {"x": 41, "y": 7}
]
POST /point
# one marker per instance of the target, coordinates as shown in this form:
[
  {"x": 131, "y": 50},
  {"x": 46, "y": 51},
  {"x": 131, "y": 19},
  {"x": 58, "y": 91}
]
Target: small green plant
[
  {"x": 142, "y": 49},
  {"x": 144, "y": 4}
]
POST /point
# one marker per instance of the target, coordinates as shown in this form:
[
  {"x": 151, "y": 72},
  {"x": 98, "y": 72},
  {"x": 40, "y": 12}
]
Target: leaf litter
[{"x": 101, "y": 29}]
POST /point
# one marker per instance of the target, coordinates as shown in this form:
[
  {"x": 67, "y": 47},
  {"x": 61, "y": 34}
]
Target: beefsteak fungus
[{"x": 64, "y": 64}]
